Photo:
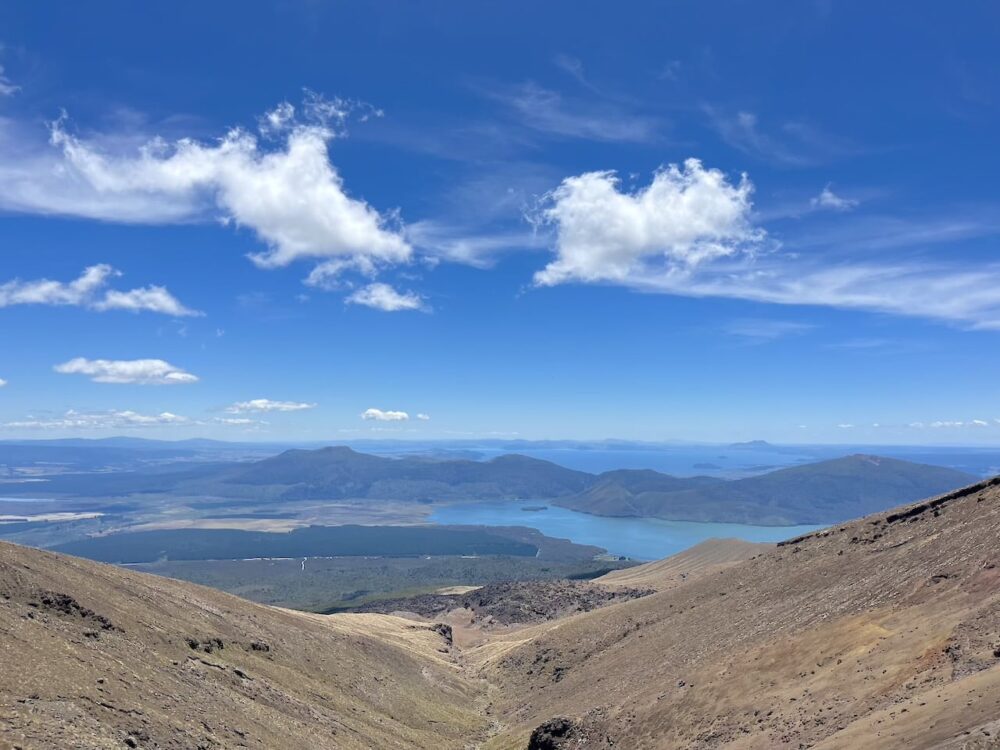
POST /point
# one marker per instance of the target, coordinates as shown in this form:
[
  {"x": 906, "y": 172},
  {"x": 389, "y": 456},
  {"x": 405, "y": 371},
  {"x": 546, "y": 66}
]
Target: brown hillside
[
  {"x": 707, "y": 557},
  {"x": 94, "y": 656},
  {"x": 880, "y": 633}
]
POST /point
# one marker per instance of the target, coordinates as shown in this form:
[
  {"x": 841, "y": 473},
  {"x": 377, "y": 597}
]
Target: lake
[{"x": 638, "y": 538}]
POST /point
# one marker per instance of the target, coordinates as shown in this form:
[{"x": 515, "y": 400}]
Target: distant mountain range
[
  {"x": 823, "y": 492},
  {"x": 340, "y": 473}
]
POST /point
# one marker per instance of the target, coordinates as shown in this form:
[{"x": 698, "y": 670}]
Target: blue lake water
[{"x": 638, "y": 538}]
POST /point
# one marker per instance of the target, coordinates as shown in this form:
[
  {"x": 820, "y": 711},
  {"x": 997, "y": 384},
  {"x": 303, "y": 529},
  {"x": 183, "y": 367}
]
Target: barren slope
[
  {"x": 883, "y": 632},
  {"x": 94, "y": 656},
  {"x": 707, "y": 557}
]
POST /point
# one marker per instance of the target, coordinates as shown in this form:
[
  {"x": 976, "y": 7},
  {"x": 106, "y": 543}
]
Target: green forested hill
[{"x": 823, "y": 492}]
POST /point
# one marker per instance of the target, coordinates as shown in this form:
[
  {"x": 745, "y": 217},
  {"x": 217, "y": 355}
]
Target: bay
[{"x": 636, "y": 538}]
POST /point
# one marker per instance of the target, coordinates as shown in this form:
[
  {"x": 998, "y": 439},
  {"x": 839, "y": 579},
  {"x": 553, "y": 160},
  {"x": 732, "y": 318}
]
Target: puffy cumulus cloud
[
  {"x": 690, "y": 233},
  {"x": 279, "y": 183},
  {"x": 90, "y": 290},
  {"x": 124, "y": 419},
  {"x": 423, "y": 417},
  {"x": 378, "y": 415},
  {"x": 827, "y": 199},
  {"x": 2, "y": 382},
  {"x": 686, "y": 216},
  {"x": 383, "y": 297},
  {"x": 133, "y": 371},
  {"x": 267, "y": 405}
]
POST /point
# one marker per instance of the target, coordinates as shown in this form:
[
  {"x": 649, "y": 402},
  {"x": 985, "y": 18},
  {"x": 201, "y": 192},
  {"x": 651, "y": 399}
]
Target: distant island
[{"x": 751, "y": 444}]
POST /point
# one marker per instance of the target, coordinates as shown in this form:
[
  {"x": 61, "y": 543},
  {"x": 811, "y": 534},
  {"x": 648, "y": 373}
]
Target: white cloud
[
  {"x": 845, "y": 426},
  {"x": 423, "y": 417},
  {"x": 266, "y": 405},
  {"x": 90, "y": 290},
  {"x": 151, "y": 298},
  {"x": 99, "y": 420},
  {"x": 327, "y": 275},
  {"x": 6, "y": 87},
  {"x": 379, "y": 415},
  {"x": 134, "y": 371},
  {"x": 689, "y": 233},
  {"x": 948, "y": 292},
  {"x": 239, "y": 421},
  {"x": 383, "y": 297},
  {"x": 2, "y": 382},
  {"x": 685, "y": 217},
  {"x": 830, "y": 200},
  {"x": 757, "y": 330},
  {"x": 793, "y": 143},
  {"x": 953, "y": 423},
  {"x": 465, "y": 245},
  {"x": 283, "y": 187},
  {"x": 547, "y": 111}
]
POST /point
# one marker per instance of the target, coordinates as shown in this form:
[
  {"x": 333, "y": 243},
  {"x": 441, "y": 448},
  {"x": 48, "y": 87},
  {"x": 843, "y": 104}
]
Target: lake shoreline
[{"x": 640, "y": 539}]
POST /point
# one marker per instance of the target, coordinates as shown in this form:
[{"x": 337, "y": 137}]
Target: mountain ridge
[{"x": 823, "y": 492}]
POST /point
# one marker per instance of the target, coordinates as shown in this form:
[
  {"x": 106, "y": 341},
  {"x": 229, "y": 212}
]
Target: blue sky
[{"x": 307, "y": 220}]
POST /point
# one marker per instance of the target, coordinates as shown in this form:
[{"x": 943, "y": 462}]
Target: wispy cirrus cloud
[
  {"x": 129, "y": 371},
  {"x": 267, "y": 405},
  {"x": 6, "y": 87},
  {"x": 470, "y": 246},
  {"x": 552, "y": 113},
  {"x": 765, "y": 330},
  {"x": 792, "y": 143},
  {"x": 90, "y": 290}
]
